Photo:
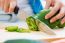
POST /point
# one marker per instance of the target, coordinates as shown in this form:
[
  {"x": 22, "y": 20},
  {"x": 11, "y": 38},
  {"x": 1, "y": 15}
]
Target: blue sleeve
[{"x": 36, "y": 5}]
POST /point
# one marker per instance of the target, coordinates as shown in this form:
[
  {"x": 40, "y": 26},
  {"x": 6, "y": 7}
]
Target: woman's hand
[
  {"x": 56, "y": 5},
  {"x": 8, "y": 5}
]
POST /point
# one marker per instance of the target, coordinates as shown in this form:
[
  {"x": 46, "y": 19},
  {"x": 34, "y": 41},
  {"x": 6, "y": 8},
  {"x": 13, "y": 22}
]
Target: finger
[
  {"x": 52, "y": 3},
  {"x": 59, "y": 16},
  {"x": 13, "y": 4},
  {"x": 6, "y": 5},
  {"x": 53, "y": 11},
  {"x": 63, "y": 21},
  {"x": 48, "y": 3},
  {"x": 2, "y": 4}
]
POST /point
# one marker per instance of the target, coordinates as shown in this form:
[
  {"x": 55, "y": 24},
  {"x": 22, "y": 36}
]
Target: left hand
[{"x": 8, "y": 5}]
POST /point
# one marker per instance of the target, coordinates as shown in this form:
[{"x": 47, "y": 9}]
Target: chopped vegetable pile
[
  {"x": 16, "y": 29},
  {"x": 23, "y": 30}
]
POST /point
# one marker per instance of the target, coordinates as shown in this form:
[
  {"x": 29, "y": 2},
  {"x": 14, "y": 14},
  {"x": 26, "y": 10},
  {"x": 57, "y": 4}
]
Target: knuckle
[{"x": 63, "y": 19}]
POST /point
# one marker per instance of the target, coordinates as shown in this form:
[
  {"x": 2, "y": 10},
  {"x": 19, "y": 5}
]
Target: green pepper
[{"x": 41, "y": 18}]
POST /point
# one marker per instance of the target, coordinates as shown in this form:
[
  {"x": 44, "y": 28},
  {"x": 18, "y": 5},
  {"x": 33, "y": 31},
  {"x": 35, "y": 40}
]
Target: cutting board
[{"x": 4, "y": 35}]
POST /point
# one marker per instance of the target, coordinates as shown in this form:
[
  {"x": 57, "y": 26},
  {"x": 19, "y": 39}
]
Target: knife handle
[{"x": 16, "y": 9}]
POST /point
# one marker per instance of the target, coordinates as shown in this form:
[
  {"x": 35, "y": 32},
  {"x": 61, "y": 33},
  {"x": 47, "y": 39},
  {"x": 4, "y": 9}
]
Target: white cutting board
[{"x": 4, "y": 35}]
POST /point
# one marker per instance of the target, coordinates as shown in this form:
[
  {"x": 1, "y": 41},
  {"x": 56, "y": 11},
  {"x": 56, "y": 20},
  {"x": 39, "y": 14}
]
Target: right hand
[
  {"x": 8, "y": 5},
  {"x": 56, "y": 5}
]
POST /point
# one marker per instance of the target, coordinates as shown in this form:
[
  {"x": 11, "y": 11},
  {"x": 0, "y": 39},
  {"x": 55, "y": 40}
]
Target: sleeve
[{"x": 36, "y": 5}]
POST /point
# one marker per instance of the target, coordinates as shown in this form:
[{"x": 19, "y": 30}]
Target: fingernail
[
  {"x": 51, "y": 21},
  {"x": 46, "y": 17},
  {"x": 62, "y": 22}
]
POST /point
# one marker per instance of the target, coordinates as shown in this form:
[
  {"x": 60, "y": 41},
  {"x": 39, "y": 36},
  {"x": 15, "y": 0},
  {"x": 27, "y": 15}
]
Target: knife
[{"x": 9, "y": 17}]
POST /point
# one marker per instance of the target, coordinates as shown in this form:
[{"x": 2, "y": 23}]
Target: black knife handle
[{"x": 16, "y": 9}]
